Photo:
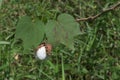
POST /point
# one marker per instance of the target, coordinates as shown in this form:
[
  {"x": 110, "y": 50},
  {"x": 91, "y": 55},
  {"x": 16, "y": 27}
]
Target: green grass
[{"x": 97, "y": 48}]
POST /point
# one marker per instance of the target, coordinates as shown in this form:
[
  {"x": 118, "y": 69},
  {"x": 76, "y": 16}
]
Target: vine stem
[{"x": 99, "y": 14}]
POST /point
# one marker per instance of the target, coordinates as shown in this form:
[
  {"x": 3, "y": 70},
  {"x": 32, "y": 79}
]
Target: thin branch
[{"x": 99, "y": 14}]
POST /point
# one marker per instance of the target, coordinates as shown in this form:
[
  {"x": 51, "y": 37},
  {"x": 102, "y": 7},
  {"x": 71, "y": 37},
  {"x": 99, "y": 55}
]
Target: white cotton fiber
[{"x": 41, "y": 53}]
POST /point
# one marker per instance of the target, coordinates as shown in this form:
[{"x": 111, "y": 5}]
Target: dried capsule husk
[{"x": 48, "y": 48}]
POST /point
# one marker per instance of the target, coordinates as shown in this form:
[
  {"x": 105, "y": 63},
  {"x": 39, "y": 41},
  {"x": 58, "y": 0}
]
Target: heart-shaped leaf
[
  {"x": 63, "y": 30},
  {"x": 31, "y": 33}
]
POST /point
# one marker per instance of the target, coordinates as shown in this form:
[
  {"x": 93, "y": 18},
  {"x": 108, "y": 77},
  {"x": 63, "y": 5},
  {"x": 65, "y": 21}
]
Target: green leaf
[
  {"x": 4, "y": 42},
  {"x": 4, "y": 66},
  {"x": 0, "y": 3},
  {"x": 31, "y": 33},
  {"x": 63, "y": 30}
]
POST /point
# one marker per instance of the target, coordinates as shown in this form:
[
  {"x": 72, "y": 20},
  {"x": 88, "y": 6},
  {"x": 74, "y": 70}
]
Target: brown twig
[{"x": 99, "y": 14}]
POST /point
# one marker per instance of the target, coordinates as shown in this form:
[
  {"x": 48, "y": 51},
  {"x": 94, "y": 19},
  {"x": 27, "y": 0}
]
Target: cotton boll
[{"x": 41, "y": 53}]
